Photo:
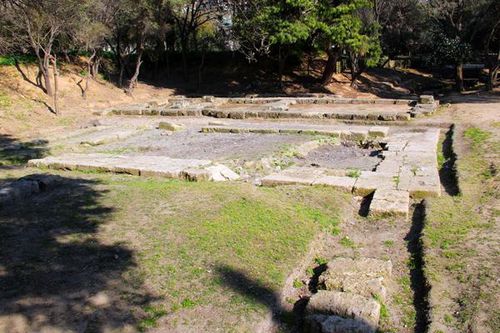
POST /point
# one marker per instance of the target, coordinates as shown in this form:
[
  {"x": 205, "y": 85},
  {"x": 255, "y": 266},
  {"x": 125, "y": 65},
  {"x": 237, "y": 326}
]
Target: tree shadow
[
  {"x": 240, "y": 282},
  {"x": 390, "y": 83},
  {"x": 56, "y": 273},
  {"x": 14, "y": 152},
  {"x": 448, "y": 172},
  {"x": 285, "y": 317},
  {"x": 25, "y": 77},
  {"x": 418, "y": 280}
]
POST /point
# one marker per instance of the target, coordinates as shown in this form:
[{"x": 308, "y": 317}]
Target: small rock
[{"x": 165, "y": 125}]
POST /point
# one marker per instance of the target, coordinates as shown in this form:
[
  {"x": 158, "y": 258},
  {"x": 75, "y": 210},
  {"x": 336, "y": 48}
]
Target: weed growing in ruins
[
  {"x": 347, "y": 242},
  {"x": 353, "y": 173}
]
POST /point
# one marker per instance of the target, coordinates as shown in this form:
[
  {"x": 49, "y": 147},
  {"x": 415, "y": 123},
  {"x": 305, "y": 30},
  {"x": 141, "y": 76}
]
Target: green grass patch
[
  {"x": 194, "y": 238},
  {"x": 347, "y": 242},
  {"x": 10, "y": 60},
  {"x": 153, "y": 314},
  {"x": 477, "y": 135},
  {"x": 454, "y": 223}
]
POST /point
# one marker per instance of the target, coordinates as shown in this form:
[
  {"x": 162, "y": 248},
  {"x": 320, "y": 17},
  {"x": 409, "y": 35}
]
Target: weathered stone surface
[
  {"x": 334, "y": 324},
  {"x": 370, "y": 181},
  {"x": 370, "y": 267},
  {"x": 426, "y": 99},
  {"x": 364, "y": 276},
  {"x": 378, "y": 131},
  {"x": 390, "y": 202},
  {"x": 281, "y": 179},
  {"x": 220, "y": 173},
  {"x": 171, "y": 126},
  {"x": 339, "y": 182},
  {"x": 139, "y": 165},
  {"x": 106, "y": 136},
  {"x": 25, "y": 187},
  {"x": 345, "y": 305}
]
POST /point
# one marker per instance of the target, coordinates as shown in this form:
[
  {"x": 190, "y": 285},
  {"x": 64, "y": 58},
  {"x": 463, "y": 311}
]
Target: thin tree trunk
[
  {"x": 138, "y": 63},
  {"x": 88, "y": 74},
  {"x": 56, "y": 84},
  {"x": 459, "y": 77},
  {"x": 44, "y": 65}
]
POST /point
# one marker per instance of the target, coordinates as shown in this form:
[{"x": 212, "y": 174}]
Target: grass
[
  {"x": 455, "y": 254},
  {"x": 5, "y": 100},
  {"x": 347, "y": 242},
  {"x": 188, "y": 231},
  {"x": 353, "y": 173},
  {"x": 10, "y": 60}
]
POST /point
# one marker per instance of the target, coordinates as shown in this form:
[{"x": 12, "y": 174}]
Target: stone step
[
  {"x": 347, "y": 134},
  {"x": 364, "y": 276},
  {"x": 390, "y": 202},
  {"x": 335, "y": 324},
  {"x": 344, "y": 304},
  {"x": 139, "y": 165}
]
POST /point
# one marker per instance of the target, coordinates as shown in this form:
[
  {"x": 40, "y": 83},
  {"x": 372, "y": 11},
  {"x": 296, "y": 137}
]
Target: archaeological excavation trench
[{"x": 358, "y": 279}]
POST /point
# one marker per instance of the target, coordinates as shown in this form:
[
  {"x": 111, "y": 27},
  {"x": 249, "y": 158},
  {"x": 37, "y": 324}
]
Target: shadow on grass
[
  {"x": 448, "y": 172},
  {"x": 14, "y": 152},
  {"x": 56, "y": 273},
  {"x": 285, "y": 318},
  {"x": 418, "y": 281}
]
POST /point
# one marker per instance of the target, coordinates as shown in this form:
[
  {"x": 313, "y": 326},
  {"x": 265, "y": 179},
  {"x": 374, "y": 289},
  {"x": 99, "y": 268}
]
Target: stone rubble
[
  {"x": 350, "y": 296},
  {"x": 25, "y": 187}
]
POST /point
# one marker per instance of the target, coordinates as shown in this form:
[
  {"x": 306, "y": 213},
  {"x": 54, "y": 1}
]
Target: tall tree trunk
[
  {"x": 282, "y": 56},
  {"x": 133, "y": 81},
  {"x": 330, "y": 67},
  {"x": 88, "y": 74},
  {"x": 459, "y": 77},
  {"x": 354, "y": 68},
  {"x": 56, "y": 84},
  {"x": 44, "y": 67}
]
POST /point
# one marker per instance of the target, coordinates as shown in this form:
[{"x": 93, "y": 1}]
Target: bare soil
[{"x": 342, "y": 156}]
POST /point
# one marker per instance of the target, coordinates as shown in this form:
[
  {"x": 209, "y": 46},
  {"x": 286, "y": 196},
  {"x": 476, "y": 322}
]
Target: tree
[
  {"x": 189, "y": 16},
  {"x": 345, "y": 28},
  {"x": 265, "y": 24},
  {"x": 40, "y": 25},
  {"x": 455, "y": 25}
]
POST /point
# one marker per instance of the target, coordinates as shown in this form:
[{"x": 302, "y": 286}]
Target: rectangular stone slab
[
  {"x": 137, "y": 165},
  {"x": 345, "y": 305},
  {"x": 389, "y": 202}
]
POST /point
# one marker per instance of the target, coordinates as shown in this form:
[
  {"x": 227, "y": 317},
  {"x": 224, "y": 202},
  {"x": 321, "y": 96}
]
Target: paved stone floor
[{"x": 408, "y": 169}]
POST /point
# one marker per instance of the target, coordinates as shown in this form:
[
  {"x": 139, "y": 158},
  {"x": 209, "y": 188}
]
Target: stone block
[
  {"x": 378, "y": 131},
  {"x": 237, "y": 115},
  {"x": 281, "y": 179},
  {"x": 390, "y": 202},
  {"x": 344, "y": 304},
  {"x": 335, "y": 324},
  {"x": 426, "y": 99},
  {"x": 165, "y": 125},
  {"x": 170, "y": 113},
  {"x": 370, "y": 181},
  {"x": 338, "y": 182},
  {"x": 219, "y": 172}
]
